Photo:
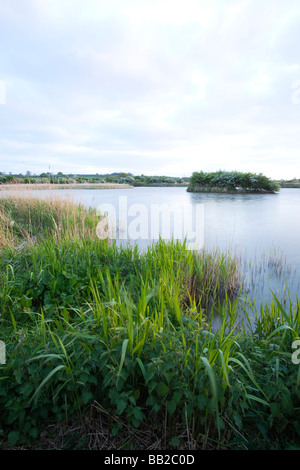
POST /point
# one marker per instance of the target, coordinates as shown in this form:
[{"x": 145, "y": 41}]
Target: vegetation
[
  {"x": 294, "y": 183},
  {"x": 117, "y": 178},
  {"x": 218, "y": 181},
  {"x": 7, "y": 179},
  {"x": 231, "y": 181},
  {"x": 110, "y": 347}
]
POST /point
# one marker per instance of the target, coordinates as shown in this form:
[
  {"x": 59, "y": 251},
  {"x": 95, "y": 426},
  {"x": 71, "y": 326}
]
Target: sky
[{"x": 150, "y": 87}]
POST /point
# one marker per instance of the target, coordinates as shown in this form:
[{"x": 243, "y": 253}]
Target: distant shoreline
[
  {"x": 290, "y": 185},
  {"x": 50, "y": 186},
  {"x": 22, "y": 186},
  {"x": 30, "y": 186}
]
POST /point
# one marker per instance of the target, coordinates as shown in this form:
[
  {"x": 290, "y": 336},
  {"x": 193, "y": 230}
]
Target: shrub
[{"x": 232, "y": 181}]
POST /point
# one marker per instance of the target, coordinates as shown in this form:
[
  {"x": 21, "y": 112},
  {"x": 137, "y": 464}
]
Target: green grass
[{"x": 92, "y": 330}]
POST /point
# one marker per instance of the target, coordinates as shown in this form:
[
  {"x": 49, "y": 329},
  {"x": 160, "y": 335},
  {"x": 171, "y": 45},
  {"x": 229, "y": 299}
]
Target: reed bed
[
  {"x": 23, "y": 217},
  {"x": 119, "y": 344}
]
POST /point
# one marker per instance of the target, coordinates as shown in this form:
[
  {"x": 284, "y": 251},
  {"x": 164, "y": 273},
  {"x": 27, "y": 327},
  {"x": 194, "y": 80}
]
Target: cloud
[{"x": 160, "y": 87}]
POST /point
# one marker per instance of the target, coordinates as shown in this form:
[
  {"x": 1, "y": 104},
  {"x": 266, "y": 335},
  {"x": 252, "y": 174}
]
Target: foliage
[
  {"x": 5, "y": 179},
  {"x": 86, "y": 323},
  {"x": 231, "y": 181},
  {"x": 116, "y": 178}
]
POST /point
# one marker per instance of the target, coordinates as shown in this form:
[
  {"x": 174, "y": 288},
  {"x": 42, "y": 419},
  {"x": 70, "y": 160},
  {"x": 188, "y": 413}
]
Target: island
[{"x": 231, "y": 182}]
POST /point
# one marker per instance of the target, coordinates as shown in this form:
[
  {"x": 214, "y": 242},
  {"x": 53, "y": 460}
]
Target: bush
[
  {"x": 232, "y": 181},
  {"x": 5, "y": 179}
]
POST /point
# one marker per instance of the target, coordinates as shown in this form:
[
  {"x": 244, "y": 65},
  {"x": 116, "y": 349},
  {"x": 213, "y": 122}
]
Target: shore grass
[
  {"x": 23, "y": 217},
  {"x": 119, "y": 344},
  {"x": 34, "y": 186}
]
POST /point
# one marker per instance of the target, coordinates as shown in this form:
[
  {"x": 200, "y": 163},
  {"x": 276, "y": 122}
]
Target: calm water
[{"x": 262, "y": 231}]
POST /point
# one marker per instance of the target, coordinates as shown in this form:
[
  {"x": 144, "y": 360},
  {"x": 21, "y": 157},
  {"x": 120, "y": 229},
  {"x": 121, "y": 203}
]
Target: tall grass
[
  {"x": 130, "y": 335},
  {"x": 24, "y": 217}
]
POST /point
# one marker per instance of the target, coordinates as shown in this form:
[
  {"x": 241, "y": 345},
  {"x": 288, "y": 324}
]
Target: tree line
[{"x": 119, "y": 178}]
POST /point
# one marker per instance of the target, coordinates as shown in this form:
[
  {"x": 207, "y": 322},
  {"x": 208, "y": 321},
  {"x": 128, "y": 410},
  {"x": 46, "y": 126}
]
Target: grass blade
[{"x": 54, "y": 371}]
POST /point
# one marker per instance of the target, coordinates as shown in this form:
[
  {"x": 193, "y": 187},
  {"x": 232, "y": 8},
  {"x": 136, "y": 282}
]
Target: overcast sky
[{"x": 161, "y": 87}]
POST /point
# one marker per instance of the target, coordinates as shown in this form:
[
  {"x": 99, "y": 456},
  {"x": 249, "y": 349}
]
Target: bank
[{"x": 109, "y": 347}]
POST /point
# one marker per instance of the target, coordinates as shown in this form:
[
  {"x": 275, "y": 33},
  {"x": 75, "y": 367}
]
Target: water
[{"x": 261, "y": 230}]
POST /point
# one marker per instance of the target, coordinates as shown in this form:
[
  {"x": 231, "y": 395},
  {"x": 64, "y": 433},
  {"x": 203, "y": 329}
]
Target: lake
[{"x": 261, "y": 230}]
